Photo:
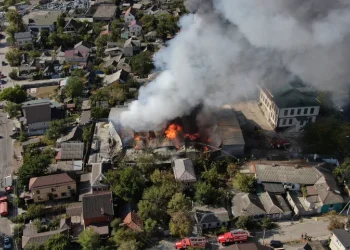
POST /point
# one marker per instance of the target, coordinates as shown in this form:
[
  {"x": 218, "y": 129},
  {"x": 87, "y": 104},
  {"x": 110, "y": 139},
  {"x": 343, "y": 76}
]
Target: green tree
[
  {"x": 180, "y": 224},
  {"x": 142, "y": 63},
  {"x": 16, "y": 23},
  {"x": 129, "y": 245},
  {"x": 266, "y": 223},
  {"x": 179, "y": 202},
  {"x": 12, "y": 108},
  {"x": 33, "y": 54},
  {"x": 212, "y": 176},
  {"x": 23, "y": 136},
  {"x": 74, "y": 87},
  {"x": 34, "y": 247},
  {"x": 86, "y": 133},
  {"x": 13, "y": 74},
  {"x": 58, "y": 242},
  {"x": 61, "y": 21},
  {"x": 88, "y": 239},
  {"x": 244, "y": 183},
  {"x": 244, "y": 222},
  {"x": 167, "y": 25},
  {"x": 15, "y": 94},
  {"x": 34, "y": 165},
  {"x": 99, "y": 112},
  {"x": 207, "y": 194},
  {"x": 146, "y": 163},
  {"x": 150, "y": 225},
  {"x": 13, "y": 56},
  {"x": 56, "y": 128},
  {"x": 101, "y": 42},
  {"x": 115, "y": 224},
  {"x": 129, "y": 185},
  {"x": 149, "y": 23},
  {"x": 342, "y": 172}
]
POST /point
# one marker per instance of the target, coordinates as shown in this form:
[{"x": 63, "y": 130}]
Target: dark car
[
  {"x": 3, "y": 63},
  {"x": 7, "y": 243},
  {"x": 276, "y": 244}
]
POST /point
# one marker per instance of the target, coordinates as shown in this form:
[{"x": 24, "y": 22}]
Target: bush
[
  {"x": 335, "y": 223},
  {"x": 244, "y": 222},
  {"x": 13, "y": 74}
]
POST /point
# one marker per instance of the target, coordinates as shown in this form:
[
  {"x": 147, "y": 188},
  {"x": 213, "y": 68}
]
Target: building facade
[
  {"x": 289, "y": 107},
  {"x": 23, "y": 38},
  {"x": 340, "y": 240}
]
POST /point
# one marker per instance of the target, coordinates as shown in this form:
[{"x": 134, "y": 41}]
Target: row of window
[
  {"x": 64, "y": 194},
  {"x": 53, "y": 189},
  {"x": 290, "y": 122},
  {"x": 218, "y": 224},
  {"x": 298, "y": 111}
]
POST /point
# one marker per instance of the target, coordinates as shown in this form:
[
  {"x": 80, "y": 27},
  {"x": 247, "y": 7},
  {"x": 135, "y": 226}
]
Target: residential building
[
  {"x": 121, "y": 76},
  {"x": 209, "y": 217},
  {"x": 101, "y": 144},
  {"x": 340, "y": 240},
  {"x": 133, "y": 221},
  {"x": 290, "y": 106},
  {"x": 130, "y": 15},
  {"x": 131, "y": 47},
  {"x": 72, "y": 26},
  {"x": 38, "y": 114},
  {"x": 105, "y": 12},
  {"x": 73, "y": 150},
  {"x": 23, "y": 38},
  {"x": 135, "y": 28},
  {"x": 266, "y": 204},
  {"x": 41, "y": 20},
  {"x": 184, "y": 171},
  {"x": 41, "y": 238},
  {"x": 52, "y": 187},
  {"x": 85, "y": 117},
  {"x": 94, "y": 181},
  {"x": 151, "y": 10},
  {"x": 79, "y": 54},
  {"x": 321, "y": 193},
  {"x": 151, "y": 35},
  {"x": 98, "y": 211},
  {"x": 76, "y": 134}
]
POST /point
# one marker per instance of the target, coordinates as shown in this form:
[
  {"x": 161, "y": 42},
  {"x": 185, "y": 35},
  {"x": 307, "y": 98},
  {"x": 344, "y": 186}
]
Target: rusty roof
[{"x": 50, "y": 180}]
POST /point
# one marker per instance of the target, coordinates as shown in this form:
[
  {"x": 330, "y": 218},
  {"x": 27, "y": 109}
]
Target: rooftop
[
  {"x": 40, "y": 238},
  {"x": 211, "y": 215},
  {"x": 183, "y": 170},
  {"x": 105, "y": 11},
  {"x": 21, "y": 35},
  {"x": 42, "y": 18},
  {"x": 50, "y": 180},
  {"x": 71, "y": 151},
  {"x": 97, "y": 205},
  {"x": 343, "y": 236}
]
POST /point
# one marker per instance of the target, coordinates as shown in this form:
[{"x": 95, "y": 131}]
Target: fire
[
  {"x": 172, "y": 131},
  {"x": 137, "y": 138},
  {"x": 206, "y": 148},
  {"x": 192, "y": 137}
]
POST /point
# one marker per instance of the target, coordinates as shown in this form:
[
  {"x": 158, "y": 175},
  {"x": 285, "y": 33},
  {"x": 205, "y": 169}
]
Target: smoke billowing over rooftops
[{"x": 229, "y": 46}]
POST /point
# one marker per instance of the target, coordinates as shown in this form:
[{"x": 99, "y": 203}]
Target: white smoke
[{"x": 229, "y": 46}]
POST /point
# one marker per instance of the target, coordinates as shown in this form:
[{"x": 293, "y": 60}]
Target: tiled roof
[
  {"x": 97, "y": 205},
  {"x": 40, "y": 238},
  {"x": 50, "y": 180},
  {"x": 105, "y": 11},
  {"x": 133, "y": 221},
  {"x": 211, "y": 215},
  {"x": 131, "y": 11},
  {"x": 21, "y": 35},
  {"x": 287, "y": 174},
  {"x": 74, "y": 209},
  {"x": 72, "y": 150},
  {"x": 270, "y": 204},
  {"x": 183, "y": 170},
  {"x": 75, "y": 133},
  {"x": 247, "y": 205},
  {"x": 274, "y": 188}
]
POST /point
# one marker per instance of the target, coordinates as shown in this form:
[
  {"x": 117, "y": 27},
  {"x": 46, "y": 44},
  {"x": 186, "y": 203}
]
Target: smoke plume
[{"x": 229, "y": 46}]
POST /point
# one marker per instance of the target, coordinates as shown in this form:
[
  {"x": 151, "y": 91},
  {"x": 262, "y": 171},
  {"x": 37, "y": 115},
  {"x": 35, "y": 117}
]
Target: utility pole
[{"x": 264, "y": 237}]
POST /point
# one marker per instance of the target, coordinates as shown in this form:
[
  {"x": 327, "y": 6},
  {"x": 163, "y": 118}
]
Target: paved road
[
  {"x": 6, "y": 145},
  {"x": 3, "y": 49}
]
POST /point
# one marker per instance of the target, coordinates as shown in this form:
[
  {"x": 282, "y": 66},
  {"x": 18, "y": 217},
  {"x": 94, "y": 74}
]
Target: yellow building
[{"x": 52, "y": 187}]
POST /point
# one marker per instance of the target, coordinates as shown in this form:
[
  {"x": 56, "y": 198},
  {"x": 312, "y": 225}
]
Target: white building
[
  {"x": 289, "y": 106},
  {"x": 340, "y": 240},
  {"x": 135, "y": 28},
  {"x": 130, "y": 15},
  {"x": 41, "y": 20},
  {"x": 23, "y": 38}
]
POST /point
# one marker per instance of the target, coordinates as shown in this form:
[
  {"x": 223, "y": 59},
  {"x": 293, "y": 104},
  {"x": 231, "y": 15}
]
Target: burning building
[{"x": 212, "y": 130}]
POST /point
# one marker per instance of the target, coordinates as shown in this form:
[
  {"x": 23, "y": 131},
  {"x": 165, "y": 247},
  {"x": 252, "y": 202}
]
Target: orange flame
[
  {"x": 206, "y": 148},
  {"x": 192, "y": 137},
  {"x": 172, "y": 131},
  {"x": 137, "y": 138}
]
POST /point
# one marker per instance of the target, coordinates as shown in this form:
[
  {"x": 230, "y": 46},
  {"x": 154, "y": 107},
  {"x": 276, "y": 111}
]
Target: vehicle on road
[
  {"x": 8, "y": 183},
  {"x": 279, "y": 144},
  {"x": 276, "y": 244},
  {"x": 7, "y": 243},
  {"x": 8, "y": 116},
  {"x": 1, "y": 106},
  {"x": 234, "y": 236},
  {"x": 193, "y": 242},
  {"x": 3, "y": 206},
  {"x": 14, "y": 129},
  {"x": 3, "y": 63}
]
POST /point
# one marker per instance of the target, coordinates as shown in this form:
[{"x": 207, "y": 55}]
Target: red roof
[
  {"x": 59, "y": 155},
  {"x": 50, "y": 180},
  {"x": 133, "y": 221},
  {"x": 130, "y": 10}
]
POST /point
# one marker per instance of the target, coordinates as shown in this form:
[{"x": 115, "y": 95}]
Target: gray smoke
[{"x": 229, "y": 46}]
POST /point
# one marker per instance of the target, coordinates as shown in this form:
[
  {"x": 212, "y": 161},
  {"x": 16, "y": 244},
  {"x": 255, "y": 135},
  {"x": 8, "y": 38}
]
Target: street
[
  {"x": 6, "y": 145},
  {"x": 3, "y": 49}
]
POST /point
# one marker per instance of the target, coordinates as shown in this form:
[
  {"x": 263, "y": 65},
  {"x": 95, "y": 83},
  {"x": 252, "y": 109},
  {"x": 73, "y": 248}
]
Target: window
[
  {"x": 299, "y": 112},
  {"x": 53, "y": 189},
  {"x": 40, "y": 198},
  {"x": 55, "y": 196},
  {"x": 305, "y": 111},
  {"x": 209, "y": 225},
  {"x": 218, "y": 224},
  {"x": 108, "y": 218},
  {"x": 290, "y": 121},
  {"x": 64, "y": 194},
  {"x": 292, "y": 112},
  {"x": 37, "y": 191},
  {"x": 331, "y": 206},
  {"x": 286, "y": 112},
  {"x": 69, "y": 187},
  {"x": 312, "y": 111},
  {"x": 284, "y": 121}
]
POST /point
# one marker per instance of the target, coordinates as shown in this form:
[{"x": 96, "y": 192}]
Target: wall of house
[
  {"x": 268, "y": 108},
  {"x": 38, "y": 125},
  {"x": 129, "y": 18},
  {"x": 22, "y": 41},
  {"x": 57, "y": 192},
  {"x": 38, "y": 28},
  {"x": 330, "y": 207},
  {"x": 336, "y": 244},
  {"x": 103, "y": 218},
  {"x": 128, "y": 51}
]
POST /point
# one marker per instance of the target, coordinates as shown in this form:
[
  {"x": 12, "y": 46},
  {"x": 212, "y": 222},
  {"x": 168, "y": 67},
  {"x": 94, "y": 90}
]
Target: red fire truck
[
  {"x": 3, "y": 206},
  {"x": 194, "y": 242},
  {"x": 238, "y": 235}
]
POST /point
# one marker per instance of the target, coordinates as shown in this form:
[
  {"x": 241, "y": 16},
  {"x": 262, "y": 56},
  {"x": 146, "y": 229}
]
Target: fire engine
[
  {"x": 238, "y": 235},
  {"x": 194, "y": 242}
]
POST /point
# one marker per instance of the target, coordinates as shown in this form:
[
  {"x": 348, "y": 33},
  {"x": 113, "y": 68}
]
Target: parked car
[
  {"x": 3, "y": 63},
  {"x": 7, "y": 243},
  {"x": 1, "y": 106},
  {"x": 276, "y": 244}
]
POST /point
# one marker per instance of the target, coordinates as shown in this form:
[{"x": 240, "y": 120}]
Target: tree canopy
[
  {"x": 167, "y": 25},
  {"x": 74, "y": 87},
  {"x": 13, "y": 56},
  {"x": 179, "y": 202},
  {"x": 342, "y": 172},
  {"x": 12, "y": 108},
  {"x": 207, "y": 194},
  {"x": 244, "y": 182},
  {"x": 16, "y": 94},
  {"x": 142, "y": 63},
  {"x": 58, "y": 242},
  {"x": 88, "y": 239},
  {"x": 57, "y": 128},
  {"x": 180, "y": 224}
]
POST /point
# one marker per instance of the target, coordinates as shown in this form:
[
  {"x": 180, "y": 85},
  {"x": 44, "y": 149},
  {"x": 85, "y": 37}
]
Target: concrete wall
[
  {"x": 336, "y": 244},
  {"x": 39, "y": 125}
]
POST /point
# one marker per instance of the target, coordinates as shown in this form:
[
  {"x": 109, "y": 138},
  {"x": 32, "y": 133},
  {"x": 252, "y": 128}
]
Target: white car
[
  {"x": 14, "y": 129},
  {"x": 8, "y": 116}
]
